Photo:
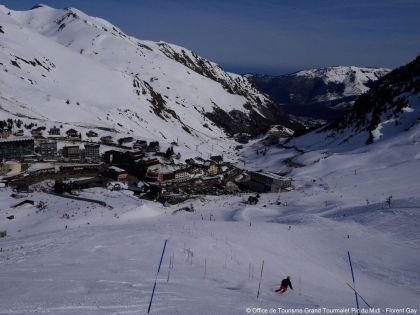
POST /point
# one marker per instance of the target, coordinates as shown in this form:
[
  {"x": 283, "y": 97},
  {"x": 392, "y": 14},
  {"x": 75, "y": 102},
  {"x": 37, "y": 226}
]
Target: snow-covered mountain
[
  {"x": 319, "y": 93},
  {"x": 390, "y": 107},
  {"x": 65, "y": 67},
  {"x": 387, "y": 118}
]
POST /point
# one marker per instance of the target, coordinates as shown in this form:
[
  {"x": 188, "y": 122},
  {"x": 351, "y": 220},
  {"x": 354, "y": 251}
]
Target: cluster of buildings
[
  {"x": 44, "y": 144},
  {"x": 138, "y": 159},
  {"x": 26, "y": 149},
  {"x": 40, "y": 143}
]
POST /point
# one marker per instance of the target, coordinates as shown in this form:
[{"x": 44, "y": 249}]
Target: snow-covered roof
[
  {"x": 13, "y": 139},
  {"x": 40, "y": 166},
  {"x": 270, "y": 175},
  {"x": 117, "y": 169},
  {"x": 11, "y": 162}
]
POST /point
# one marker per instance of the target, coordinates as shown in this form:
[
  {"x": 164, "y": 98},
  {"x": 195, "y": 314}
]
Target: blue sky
[{"x": 269, "y": 36}]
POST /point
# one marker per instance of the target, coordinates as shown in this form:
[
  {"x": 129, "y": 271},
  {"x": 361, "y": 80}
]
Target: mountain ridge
[
  {"x": 157, "y": 89},
  {"x": 324, "y": 93},
  {"x": 390, "y": 108}
]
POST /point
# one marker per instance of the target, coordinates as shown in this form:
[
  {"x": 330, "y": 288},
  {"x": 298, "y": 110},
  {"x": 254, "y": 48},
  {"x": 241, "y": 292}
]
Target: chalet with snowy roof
[
  {"x": 19, "y": 133},
  {"x": 190, "y": 161},
  {"x": 37, "y": 132},
  {"x": 54, "y": 131},
  {"x": 124, "y": 140},
  {"x": 16, "y": 147},
  {"x": 140, "y": 144},
  {"x": 106, "y": 140},
  {"x": 91, "y": 134},
  {"x": 153, "y": 146},
  {"x": 216, "y": 158},
  {"x": 72, "y": 133}
]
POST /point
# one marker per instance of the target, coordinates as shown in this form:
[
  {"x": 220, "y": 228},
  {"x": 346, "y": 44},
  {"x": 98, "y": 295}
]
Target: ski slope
[{"x": 105, "y": 261}]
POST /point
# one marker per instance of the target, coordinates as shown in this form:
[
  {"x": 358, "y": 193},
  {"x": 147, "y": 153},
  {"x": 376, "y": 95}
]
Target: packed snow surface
[{"x": 106, "y": 259}]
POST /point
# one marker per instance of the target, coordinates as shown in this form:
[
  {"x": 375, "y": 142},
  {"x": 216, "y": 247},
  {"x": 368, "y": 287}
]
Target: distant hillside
[
  {"x": 391, "y": 107},
  {"x": 319, "y": 93}
]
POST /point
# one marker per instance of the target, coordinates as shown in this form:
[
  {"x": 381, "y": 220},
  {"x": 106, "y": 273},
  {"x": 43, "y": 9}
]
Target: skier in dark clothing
[{"x": 284, "y": 284}]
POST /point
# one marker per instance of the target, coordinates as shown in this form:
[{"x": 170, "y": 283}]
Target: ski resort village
[
  {"x": 137, "y": 177},
  {"x": 135, "y": 165}
]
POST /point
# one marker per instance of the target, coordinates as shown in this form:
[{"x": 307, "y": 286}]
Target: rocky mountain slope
[
  {"x": 65, "y": 67},
  {"x": 391, "y": 107},
  {"x": 323, "y": 93}
]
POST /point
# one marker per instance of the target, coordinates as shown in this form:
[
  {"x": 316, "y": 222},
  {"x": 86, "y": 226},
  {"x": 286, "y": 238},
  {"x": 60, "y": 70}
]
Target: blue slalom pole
[
  {"x": 354, "y": 284},
  {"x": 154, "y": 286}
]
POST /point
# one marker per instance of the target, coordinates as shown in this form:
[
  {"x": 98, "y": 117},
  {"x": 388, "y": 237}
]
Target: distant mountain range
[
  {"x": 325, "y": 93},
  {"x": 391, "y": 107}
]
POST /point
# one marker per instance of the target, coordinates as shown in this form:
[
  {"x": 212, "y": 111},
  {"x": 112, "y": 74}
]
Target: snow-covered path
[{"x": 109, "y": 267}]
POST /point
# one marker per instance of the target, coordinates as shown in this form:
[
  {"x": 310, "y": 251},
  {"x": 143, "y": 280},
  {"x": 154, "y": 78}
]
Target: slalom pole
[
  {"x": 259, "y": 285},
  {"x": 354, "y": 283},
  {"x": 300, "y": 285},
  {"x": 205, "y": 268},
  {"x": 169, "y": 273},
  {"x": 154, "y": 286},
  {"x": 169, "y": 268},
  {"x": 367, "y": 304},
  {"x": 173, "y": 259}
]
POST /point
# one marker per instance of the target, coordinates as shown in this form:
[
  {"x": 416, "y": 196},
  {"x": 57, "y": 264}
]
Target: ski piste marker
[
  {"x": 354, "y": 283},
  {"x": 154, "y": 286},
  {"x": 259, "y": 285}
]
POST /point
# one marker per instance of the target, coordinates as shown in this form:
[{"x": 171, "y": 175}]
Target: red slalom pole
[{"x": 259, "y": 285}]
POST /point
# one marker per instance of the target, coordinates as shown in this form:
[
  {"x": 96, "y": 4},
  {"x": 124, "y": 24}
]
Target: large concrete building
[
  {"x": 71, "y": 152},
  {"x": 92, "y": 152},
  {"x": 16, "y": 148},
  {"x": 268, "y": 182},
  {"x": 48, "y": 148}
]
